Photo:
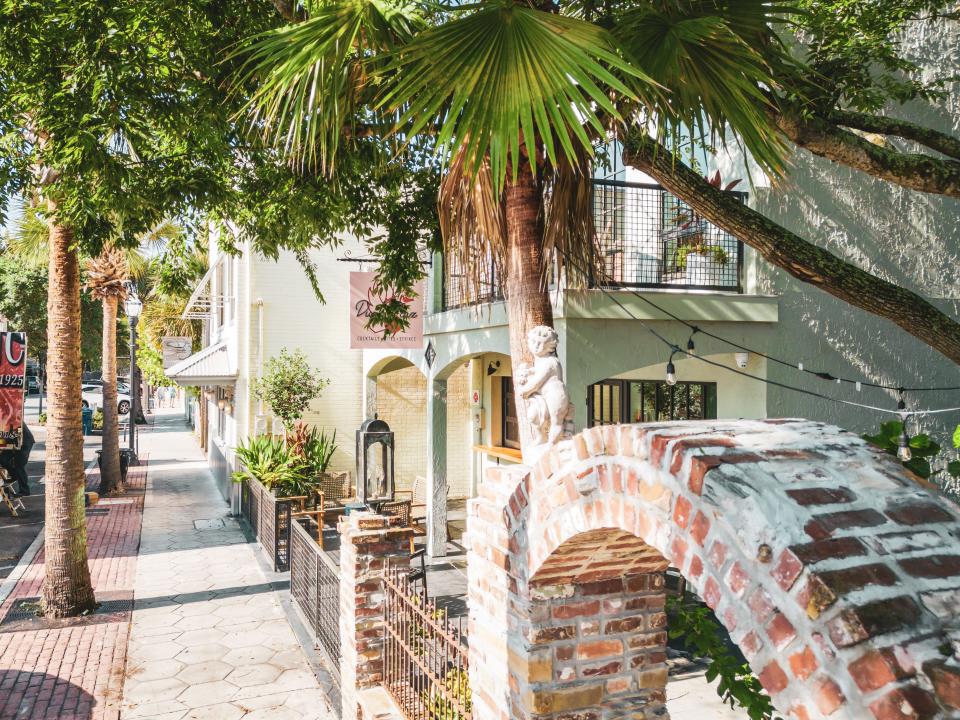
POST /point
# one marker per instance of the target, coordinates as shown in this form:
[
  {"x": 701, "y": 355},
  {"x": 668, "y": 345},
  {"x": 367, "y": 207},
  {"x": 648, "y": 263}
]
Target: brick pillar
[{"x": 368, "y": 542}]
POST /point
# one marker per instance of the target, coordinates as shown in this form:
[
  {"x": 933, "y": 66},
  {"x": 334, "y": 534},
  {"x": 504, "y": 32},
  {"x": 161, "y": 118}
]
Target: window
[
  {"x": 510, "y": 426},
  {"x": 629, "y": 401}
]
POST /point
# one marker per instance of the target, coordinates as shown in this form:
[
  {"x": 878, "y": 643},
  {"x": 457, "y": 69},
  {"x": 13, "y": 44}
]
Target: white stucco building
[{"x": 253, "y": 307}]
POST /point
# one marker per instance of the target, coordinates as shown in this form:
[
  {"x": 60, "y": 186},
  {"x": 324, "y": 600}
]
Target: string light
[
  {"x": 671, "y": 370},
  {"x": 798, "y": 365},
  {"x": 903, "y": 442},
  {"x": 691, "y": 348}
]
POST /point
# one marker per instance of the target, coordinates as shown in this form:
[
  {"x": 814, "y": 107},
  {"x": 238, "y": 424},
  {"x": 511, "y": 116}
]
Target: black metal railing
[
  {"x": 269, "y": 518},
  {"x": 425, "y": 655},
  {"x": 315, "y": 587},
  {"x": 647, "y": 238}
]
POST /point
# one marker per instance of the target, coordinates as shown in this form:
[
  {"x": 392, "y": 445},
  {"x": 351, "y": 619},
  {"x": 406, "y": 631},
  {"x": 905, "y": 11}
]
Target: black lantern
[{"x": 375, "y": 463}]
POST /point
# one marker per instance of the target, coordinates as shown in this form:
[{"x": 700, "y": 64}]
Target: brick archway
[{"x": 834, "y": 571}]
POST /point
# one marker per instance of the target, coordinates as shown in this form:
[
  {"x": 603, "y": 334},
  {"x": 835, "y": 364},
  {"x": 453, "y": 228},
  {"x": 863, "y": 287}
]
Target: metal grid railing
[
  {"x": 647, "y": 238},
  {"x": 650, "y": 238},
  {"x": 315, "y": 587},
  {"x": 425, "y": 655},
  {"x": 460, "y": 291}
]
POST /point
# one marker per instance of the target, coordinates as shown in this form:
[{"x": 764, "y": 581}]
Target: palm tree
[
  {"x": 67, "y": 589},
  {"x": 107, "y": 277},
  {"x": 515, "y": 96}
]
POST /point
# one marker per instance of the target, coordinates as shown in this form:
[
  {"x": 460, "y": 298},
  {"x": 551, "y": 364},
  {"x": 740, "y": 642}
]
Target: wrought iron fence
[
  {"x": 647, "y": 238},
  {"x": 425, "y": 655},
  {"x": 269, "y": 518},
  {"x": 315, "y": 587}
]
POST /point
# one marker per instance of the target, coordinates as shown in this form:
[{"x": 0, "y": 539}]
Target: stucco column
[
  {"x": 370, "y": 397},
  {"x": 436, "y": 467}
]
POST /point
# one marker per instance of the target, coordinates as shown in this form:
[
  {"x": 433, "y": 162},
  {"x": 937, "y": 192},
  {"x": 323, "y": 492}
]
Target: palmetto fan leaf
[
  {"x": 714, "y": 77},
  {"x": 107, "y": 275},
  {"x": 311, "y": 78},
  {"x": 505, "y": 74}
]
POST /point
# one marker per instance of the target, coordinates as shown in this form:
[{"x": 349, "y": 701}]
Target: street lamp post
[{"x": 133, "y": 306}]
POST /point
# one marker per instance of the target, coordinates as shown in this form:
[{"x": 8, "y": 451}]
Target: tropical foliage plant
[
  {"x": 312, "y": 445},
  {"x": 270, "y": 462},
  {"x": 923, "y": 449},
  {"x": 702, "y": 635}
]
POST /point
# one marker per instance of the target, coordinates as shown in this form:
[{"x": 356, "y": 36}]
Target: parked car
[
  {"x": 122, "y": 385},
  {"x": 33, "y": 384},
  {"x": 92, "y": 397}
]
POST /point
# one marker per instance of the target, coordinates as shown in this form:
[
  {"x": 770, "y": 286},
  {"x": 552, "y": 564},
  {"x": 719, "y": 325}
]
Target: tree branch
[
  {"x": 788, "y": 251},
  {"x": 288, "y": 10},
  {"x": 910, "y": 170},
  {"x": 933, "y": 139}
]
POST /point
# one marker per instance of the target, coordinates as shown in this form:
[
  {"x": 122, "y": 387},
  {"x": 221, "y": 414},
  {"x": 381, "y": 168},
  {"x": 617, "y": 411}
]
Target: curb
[{"x": 10, "y": 582}]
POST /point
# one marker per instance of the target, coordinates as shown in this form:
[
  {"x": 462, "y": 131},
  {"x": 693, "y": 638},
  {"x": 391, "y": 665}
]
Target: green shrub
[
  {"x": 288, "y": 385},
  {"x": 42, "y": 418},
  {"x": 98, "y": 419},
  {"x": 718, "y": 254}
]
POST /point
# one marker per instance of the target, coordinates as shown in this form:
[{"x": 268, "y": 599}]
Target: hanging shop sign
[
  {"x": 13, "y": 369},
  {"x": 175, "y": 349},
  {"x": 363, "y": 301}
]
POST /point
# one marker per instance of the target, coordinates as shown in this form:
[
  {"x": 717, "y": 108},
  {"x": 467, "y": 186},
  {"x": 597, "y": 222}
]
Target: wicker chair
[{"x": 336, "y": 487}]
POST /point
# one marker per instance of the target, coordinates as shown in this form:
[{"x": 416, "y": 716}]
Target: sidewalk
[
  {"x": 206, "y": 637},
  {"x": 209, "y": 638}
]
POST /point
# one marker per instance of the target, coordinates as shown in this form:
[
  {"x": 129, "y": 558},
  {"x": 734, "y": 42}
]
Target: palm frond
[
  {"x": 28, "y": 241},
  {"x": 473, "y": 228},
  {"x": 715, "y": 79},
  {"x": 310, "y": 78},
  {"x": 507, "y": 74},
  {"x": 107, "y": 274},
  {"x": 568, "y": 235}
]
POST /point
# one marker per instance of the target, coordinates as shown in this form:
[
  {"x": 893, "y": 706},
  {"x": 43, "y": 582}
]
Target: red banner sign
[
  {"x": 13, "y": 369},
  {"x": 363, "y": 300}
]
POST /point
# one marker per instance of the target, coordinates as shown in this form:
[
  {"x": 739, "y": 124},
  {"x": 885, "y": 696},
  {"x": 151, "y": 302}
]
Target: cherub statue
[{"x": 548, "y": 405}]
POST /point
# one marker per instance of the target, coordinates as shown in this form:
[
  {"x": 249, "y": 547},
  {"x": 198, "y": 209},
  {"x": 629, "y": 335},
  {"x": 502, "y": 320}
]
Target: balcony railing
[{"x": 646, "y": 237}]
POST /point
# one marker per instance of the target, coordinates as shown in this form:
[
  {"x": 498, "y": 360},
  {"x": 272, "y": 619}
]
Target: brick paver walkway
[{"x": 73, "y": 669}]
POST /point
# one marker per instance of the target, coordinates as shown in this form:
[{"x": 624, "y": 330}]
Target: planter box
[
  {"x": 704, "y": 270},
  {"x": 315, "y": 588},
  {"x": 269, "y": 518}
]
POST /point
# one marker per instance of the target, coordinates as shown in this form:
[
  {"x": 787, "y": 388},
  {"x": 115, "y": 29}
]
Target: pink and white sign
[{"x": 363, "y": 300}]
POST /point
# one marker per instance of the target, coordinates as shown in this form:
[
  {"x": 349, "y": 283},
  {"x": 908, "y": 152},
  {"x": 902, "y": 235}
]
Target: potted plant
[
  {"x": 701, "y": 262},
  {"x": 288, "y": 385}
]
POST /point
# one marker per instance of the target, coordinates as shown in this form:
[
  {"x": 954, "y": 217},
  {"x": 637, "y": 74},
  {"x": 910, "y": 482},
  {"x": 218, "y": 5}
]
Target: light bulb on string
[
  {"x": 691, "y": 348},
  {"x": 903, "y": 440},
  {"x": 671, "y": 371}
]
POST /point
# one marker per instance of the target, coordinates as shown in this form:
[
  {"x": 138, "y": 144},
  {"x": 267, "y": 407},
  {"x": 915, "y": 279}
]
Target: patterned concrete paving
[{"x": 209, "y": 639}]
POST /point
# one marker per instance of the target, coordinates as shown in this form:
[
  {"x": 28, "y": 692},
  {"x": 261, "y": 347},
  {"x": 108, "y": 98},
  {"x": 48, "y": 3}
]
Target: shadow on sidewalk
[
  {"x": 207, "y": 595},
  {"x": 40, "y": 696}
]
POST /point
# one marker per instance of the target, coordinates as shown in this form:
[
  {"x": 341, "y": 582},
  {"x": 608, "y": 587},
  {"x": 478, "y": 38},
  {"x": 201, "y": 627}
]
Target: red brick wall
[{"x": 833, "y": 569}]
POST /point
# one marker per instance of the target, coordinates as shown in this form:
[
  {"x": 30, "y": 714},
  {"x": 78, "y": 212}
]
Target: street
[{"x": 16, "y": 534}]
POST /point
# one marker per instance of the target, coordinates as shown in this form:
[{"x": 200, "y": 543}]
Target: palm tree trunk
[
  {"x": 528, "y": 300},
  {"x": 110, "y": 479},
  {"x": 66, "y": 587}
]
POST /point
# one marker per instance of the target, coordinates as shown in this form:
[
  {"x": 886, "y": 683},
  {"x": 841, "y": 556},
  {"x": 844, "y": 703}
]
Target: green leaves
[
  {"x": 922, "y": 447},
  {"x": 311, "y": 78},
  {"x": 701, "y": 634},
  {"x": 507, "y": 74},
  {"x": 288, "y": 385},
  {"x": 714, "y": 77}
]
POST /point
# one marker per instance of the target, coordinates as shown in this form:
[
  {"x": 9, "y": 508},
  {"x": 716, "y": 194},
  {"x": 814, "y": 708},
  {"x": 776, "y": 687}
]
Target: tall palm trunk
[
  {"x": 528, "y": 300},
  {"x": 66, "y": 587},
  {"x": 110, "y": 479}
]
